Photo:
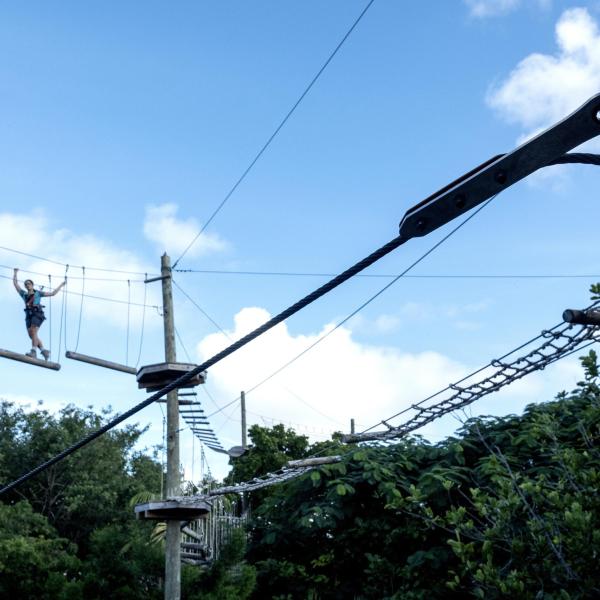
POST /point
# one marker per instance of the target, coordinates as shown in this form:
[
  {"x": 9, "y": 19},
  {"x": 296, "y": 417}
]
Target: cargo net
[{"x": 553, "y": 344}]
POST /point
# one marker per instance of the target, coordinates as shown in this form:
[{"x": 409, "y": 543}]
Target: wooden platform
[
  {"x": 100, "y": 362},
  {"x": 37, "y": 362},
  {"x": 173, "y": 510},
  {"x": 155, "y": 377}
]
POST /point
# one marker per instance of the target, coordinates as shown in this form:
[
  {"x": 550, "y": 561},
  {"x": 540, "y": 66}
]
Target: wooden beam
[
  {"x": 99, "y": 362},
  {"x": 37, "y": 362}
]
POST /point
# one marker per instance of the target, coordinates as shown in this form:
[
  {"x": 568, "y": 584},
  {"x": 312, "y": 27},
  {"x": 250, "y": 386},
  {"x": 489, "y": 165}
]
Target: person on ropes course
[{"x": 34, "y": 313}]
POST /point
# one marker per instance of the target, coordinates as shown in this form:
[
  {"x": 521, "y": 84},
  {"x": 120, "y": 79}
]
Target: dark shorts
[{"x": 34, "y": 318}]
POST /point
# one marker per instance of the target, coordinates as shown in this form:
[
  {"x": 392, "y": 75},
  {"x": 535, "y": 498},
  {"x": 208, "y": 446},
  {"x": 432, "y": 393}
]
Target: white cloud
[
  {"x": 542, "y": 89},
  {"x": 174, "y": 235},
  {"x": 34, "y": 234},
  {"x": 491, "y": 8},
  {"x": 340, "y": 379},
  {"x": 411, "y": 312},
  {"x": 482, "y": 9}
]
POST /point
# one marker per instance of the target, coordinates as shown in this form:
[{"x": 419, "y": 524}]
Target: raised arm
[
  {"x": 15, "y": 282},
  {"x": 55, "y": 290}
]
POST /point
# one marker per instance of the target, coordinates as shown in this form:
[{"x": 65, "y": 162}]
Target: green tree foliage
[
  {"x": 228, "y": 578},
  {"x": 269, "y": 450},
  {"x": 508, "y": 507},
  {"x": 34, "y": 561},
  {"x": 70, "y": 532}
]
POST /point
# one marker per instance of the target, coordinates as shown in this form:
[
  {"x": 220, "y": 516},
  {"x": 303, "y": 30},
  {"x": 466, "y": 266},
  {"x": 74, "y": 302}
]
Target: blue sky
[{"x": 124, "y": 126}]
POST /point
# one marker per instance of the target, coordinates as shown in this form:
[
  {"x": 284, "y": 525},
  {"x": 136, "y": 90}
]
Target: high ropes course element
[
  {"x": 100, "y": 362},
  {"x": 470, "y": 190},
  {"x": 558, "y": 342},
  {"x": 33, "y": 360}
]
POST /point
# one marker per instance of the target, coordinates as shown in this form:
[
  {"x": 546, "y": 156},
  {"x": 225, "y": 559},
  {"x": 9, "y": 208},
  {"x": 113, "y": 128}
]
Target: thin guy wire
[
  {"x": 277, "y": 130},
  {"x": 182, "y": 344},
  {"x": 372, "y": 298},
  {"x": 109, "y": 279},
  {"x": 66, "y": 297},
  {"x": 201, "y": 309},
  {"x": 383, "y": 275},
  {"x": 55, "y": 262}
]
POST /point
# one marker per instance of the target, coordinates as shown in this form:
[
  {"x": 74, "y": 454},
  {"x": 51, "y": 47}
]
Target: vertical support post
[
  {"x": 173, "y": 539},
  {"x": 351, "y": 425},
  {"x": 243, "y": 406}
]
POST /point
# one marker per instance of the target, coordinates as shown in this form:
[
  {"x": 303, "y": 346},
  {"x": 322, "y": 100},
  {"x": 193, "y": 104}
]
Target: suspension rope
[
  {"x": 50, "y": 310},
  {"x": 128, "y": 312},
  {"x": 137, "y": 362},
  {"x": 66, "y": 297},
  {"x": 63, "y": 316},
  {"x": 80, "y": 307}
]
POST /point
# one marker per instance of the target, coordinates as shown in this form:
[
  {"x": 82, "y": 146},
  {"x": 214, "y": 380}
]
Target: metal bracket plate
[{"x": 502, "y": 171}]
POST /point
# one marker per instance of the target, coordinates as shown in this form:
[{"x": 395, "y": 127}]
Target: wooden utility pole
[
  {"x": 173, "y": 540},
  {"x": 243, "y": 405}
]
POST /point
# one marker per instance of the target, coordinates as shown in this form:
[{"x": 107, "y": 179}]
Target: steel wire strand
[
  {"x": 56, "y": 262},
  {"x": 277, "y": 130},
  {"x": 312, "y": 297}
]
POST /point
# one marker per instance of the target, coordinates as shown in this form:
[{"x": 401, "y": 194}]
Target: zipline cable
[
  {"x": 277, "y": 130},
  {"x": 309, "y": 299},
  {"x": 324, "y": 289}
]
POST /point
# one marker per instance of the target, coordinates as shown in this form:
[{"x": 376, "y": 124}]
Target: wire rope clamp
[
  {"x": 581, "y": 317},
  {"x": 155, "y": 377}
]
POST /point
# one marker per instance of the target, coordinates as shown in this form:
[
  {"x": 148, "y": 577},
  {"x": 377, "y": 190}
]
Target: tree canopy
[{"x": 508, "y": 506}]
